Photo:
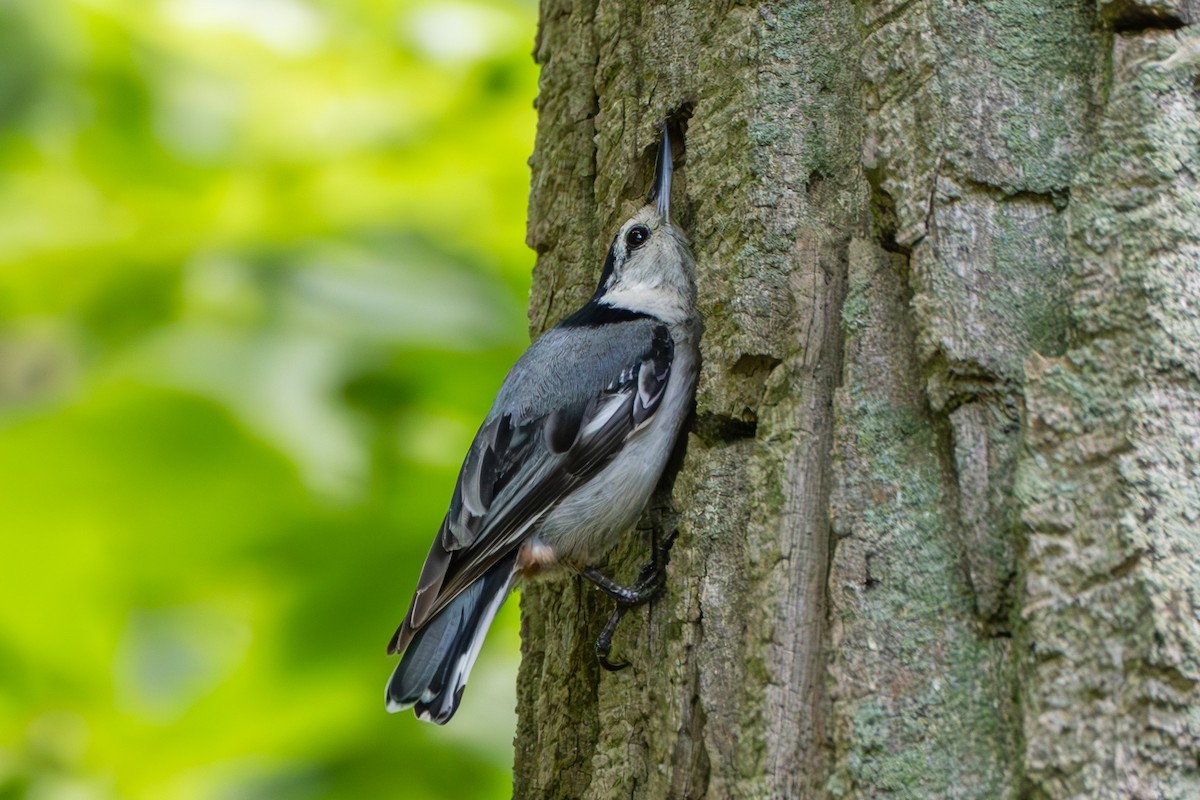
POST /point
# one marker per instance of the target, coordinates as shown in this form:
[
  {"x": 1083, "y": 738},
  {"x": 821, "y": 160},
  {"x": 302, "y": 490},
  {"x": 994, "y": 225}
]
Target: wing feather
[{"x": 522, "y": 464}]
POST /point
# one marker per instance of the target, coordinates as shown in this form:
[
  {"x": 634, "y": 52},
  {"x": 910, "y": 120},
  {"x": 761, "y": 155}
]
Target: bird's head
[{"x": 649, "y": 267}]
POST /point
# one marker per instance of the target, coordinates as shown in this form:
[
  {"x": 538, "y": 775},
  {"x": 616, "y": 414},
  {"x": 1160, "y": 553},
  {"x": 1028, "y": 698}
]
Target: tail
[{"x": 433, "y": 672}]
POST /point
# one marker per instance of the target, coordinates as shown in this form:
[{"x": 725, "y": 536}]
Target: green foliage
[{"x": 261, "y": 271}]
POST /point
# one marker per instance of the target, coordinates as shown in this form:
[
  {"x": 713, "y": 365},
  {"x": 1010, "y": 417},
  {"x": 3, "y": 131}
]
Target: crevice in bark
[
  {"x": 886, "y": 224},
  {"x": 883, "y": 214},
  {"x": 1135, "y": 16},
  {"x": 714, "y": 429},
  {"x": 690, "y": 766},
  {"x": 1056, "y": 196}
]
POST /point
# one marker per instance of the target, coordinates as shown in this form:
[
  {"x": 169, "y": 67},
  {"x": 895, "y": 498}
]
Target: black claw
[{"x": 611, "y": 667}]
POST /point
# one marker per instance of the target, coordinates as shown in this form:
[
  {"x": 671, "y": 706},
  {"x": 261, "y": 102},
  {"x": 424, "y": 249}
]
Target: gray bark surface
[{"x": 938, "y": 512}]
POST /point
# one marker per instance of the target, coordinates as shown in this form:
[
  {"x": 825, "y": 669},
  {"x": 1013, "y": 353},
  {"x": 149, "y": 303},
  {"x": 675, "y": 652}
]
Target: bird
[{"x": 566, "y": 459}]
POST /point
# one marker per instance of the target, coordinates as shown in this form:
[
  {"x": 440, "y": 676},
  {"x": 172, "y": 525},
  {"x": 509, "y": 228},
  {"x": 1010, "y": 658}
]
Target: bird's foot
[{"x": 649, "y": 585}]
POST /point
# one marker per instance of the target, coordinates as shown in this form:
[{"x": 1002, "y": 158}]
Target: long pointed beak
[{"x": 661, "y": 191}]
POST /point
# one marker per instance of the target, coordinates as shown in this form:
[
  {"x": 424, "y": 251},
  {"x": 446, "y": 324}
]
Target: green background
[{"x": 261, "y": 271}]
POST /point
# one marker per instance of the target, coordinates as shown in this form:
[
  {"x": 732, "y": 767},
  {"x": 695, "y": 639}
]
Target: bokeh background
[{"x": 262, "y": 267}]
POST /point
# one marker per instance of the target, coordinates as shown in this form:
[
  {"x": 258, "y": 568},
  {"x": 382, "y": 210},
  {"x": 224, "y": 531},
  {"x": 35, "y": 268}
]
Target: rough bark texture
[{"x": 938, "y": 513}]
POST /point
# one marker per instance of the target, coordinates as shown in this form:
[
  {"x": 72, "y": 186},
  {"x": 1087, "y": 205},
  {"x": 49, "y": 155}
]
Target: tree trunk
[{"x": 938, "y": 512}]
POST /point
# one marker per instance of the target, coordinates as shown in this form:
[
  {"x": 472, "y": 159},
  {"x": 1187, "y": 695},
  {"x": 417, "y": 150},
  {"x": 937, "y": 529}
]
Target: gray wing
[{"x": 563, "y": 413}]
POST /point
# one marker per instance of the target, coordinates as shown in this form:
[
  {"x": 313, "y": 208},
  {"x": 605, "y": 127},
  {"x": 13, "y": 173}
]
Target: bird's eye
[{"x": 636, "y": 237}]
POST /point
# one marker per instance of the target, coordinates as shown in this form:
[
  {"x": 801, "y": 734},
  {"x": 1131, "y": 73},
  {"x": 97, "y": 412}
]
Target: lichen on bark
[{"x": 1109, "y": 477}]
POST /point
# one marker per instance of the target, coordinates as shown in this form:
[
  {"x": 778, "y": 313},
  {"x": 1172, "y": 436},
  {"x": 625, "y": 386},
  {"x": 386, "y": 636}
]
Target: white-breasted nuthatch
[{"x": 565, "y": 461}]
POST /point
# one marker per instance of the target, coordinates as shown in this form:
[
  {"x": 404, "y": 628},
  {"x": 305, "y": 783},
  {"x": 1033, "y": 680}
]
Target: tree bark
[{"x": 937, "y": 512}]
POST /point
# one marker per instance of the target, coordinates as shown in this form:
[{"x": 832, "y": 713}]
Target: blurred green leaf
[{"x": 261, "y": 272}]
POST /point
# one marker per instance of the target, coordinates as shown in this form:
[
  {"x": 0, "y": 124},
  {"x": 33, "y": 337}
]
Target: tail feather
[{"x": 433, "y": 671}]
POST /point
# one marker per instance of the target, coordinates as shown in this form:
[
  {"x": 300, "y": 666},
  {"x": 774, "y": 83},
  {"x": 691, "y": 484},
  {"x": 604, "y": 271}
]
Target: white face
[{"x": 652, "y": 269}]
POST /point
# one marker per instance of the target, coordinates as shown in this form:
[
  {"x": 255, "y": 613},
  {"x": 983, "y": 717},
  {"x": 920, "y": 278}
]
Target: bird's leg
[
  {"x": 654, "y": 574},
  {"x": 649, "y": 584}
]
